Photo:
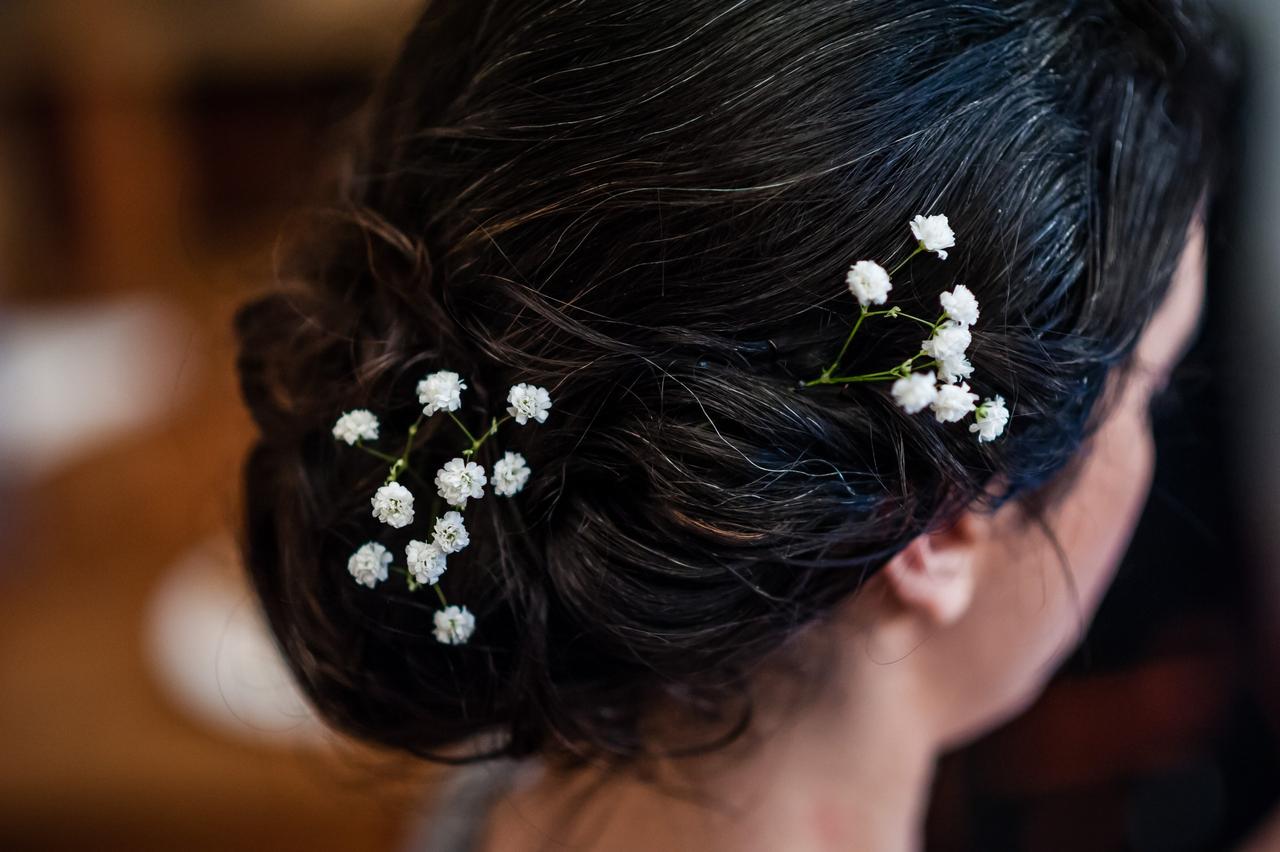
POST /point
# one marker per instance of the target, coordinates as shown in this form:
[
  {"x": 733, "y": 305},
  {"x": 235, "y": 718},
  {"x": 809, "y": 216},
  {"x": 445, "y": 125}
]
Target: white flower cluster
[
  {"x": 454, "y": 625},
  {"x": 357, "y": 425},
  {"x": 990, "y": 418},
  {"x": 393, "y": 505},
  {"x": 869, "y": 283},
  {"x": 457, "y": 481},
  {"x": 944, "y": 392},
  {"x": 426, "y": 561},
  {"x": 449, "y": 535},
  {"x": 525, "y": 403},
  {"x": 940, "y": 385},
  {"x": 947, "y": 346},
  {"x": 369, "y": 564},
  {"x": 510, "y": 473},
  {"x": 460, "y": 480},
  {"x": 441, "y": 391},
  {"x": 934, "y": 234}
]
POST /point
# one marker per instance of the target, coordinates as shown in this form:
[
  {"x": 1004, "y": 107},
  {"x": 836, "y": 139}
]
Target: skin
[{"x": 958, "y": 633}]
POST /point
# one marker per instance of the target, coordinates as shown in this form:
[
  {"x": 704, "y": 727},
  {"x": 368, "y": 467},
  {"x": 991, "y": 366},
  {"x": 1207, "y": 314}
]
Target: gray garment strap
[{"x": 460, "y": 815}]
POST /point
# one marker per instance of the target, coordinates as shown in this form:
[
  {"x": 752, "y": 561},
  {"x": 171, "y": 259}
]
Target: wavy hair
[{"x": 648, "y": 208}]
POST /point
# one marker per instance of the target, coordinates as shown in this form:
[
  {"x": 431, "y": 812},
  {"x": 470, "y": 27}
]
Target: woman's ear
[{"x": 934, "y": 576}]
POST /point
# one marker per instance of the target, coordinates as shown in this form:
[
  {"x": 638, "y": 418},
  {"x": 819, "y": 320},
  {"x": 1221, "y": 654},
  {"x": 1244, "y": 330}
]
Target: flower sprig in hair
[
  {"x": 457, "y": 481},
  {"x": 934, "y": 377}
]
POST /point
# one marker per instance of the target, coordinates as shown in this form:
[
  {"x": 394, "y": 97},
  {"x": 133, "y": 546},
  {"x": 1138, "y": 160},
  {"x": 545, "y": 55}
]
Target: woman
[{"x": 719, "y": 596}]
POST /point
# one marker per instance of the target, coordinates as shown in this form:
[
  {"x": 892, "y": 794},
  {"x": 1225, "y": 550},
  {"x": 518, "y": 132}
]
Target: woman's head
[
  {"x": 648, "y": 208},
  {"x": 977, "y": 612}
]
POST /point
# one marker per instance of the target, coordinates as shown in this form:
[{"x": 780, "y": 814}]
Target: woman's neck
[{"x": 848, "y": 770}]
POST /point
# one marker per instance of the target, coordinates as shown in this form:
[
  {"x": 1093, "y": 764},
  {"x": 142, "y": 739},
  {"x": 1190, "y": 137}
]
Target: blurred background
[{"x": 151, "y": 154}]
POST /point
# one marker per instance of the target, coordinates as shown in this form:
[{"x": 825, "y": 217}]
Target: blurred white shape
[
  {"x": 211, "y": 651},
  {"x": 72, "y": 379}
]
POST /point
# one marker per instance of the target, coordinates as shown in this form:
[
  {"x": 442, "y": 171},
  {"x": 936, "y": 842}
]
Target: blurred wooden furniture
[{"x": 102, "y": 106}]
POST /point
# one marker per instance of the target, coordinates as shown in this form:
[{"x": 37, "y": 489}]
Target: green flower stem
[
  {"x": 862, "y": 315},
  {"x": 932, "y": 325},
  {"x": 402, "y": 462},
  {"x": 869, "y": 377},
  {"x": 404, "y": 572},
  {"x": 901, "y": 371},
  {"x": 376, "y": 453},
  {"x": 919, "y": 248},
  {"x": 477, "y": 442},
  {"x": 414, "y": 585},
  {"x": 826, "y": 377},
  {"x": 843, "y": 349},
  {"x": 389, "y": 458},
  {"x": 464, "y": 429},
  {"x": 862, "y": 377}
]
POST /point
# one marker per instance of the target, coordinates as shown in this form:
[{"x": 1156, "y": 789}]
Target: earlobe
[{"x": 934, "y": 574}]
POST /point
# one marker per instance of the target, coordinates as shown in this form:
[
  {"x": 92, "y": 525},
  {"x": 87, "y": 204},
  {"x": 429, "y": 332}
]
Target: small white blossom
[
  {"x": 459, "y": 480},
  {"x": 954, "y": 368},
  {"x": 393, "y": 505},
  {"x": 950, "y": 340},
  {"x": 915, "y": 392},
  {"x": 960, "y": 305},
  {"x": 869, "y": 283},
  {"x": 454, "y": 625},
  {"x": 441, "y": 391},
  {"x": 934, "y": 233},
  {"x": 369, "y": 564},
  {"x": 510, "y": 473},
  {"x": 358, "y": 425},
  {"x": 990, "y": 419},
  {"x": 450, "y": 535},
  {"x": 527, "y": 402},
  {"x": 953, "y": 403},
  {"x": 426, "y": 562}
]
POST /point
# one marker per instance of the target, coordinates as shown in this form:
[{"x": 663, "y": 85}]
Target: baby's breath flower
[
  {"x": 960, "y": 305},
  {"x": 450, "y": 535},
  {"x": 426, "y": 562},
  {"x": 868, "y": 282},
  {"x": 934, "y": 233},
  {"x": 369, "y": 564},
  {"x": 459, "y": 480},
  {"x": 510, "y": 473},
  {"x": 527, "y": 402},
  {"x": 454, "y": 625},
  {"x": 357, "y": 425},
  {"x": 393, "y": 505},
  {"x": 953, "y": 402},
  {"x": 990, "y": 419},
  {"x": 954, "y": 368},
  {"x": 915, "y": 391},
  {"x": 950, "y": 340},
  {"x": 441, "y": 391}
]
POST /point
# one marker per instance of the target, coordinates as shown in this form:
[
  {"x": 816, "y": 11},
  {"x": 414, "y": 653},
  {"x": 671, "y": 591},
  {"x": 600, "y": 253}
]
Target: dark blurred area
[{"x": 152, "y": 153}]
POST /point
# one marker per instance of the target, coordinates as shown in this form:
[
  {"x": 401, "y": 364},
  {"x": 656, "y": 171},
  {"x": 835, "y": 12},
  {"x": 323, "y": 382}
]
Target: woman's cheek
[{"x": 1108, "y": 503}]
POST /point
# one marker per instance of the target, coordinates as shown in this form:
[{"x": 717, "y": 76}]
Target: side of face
[{"x": 983, "y": 612}]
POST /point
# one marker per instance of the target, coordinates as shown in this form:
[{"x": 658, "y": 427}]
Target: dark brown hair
[{"x": 648, "y": 207}]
